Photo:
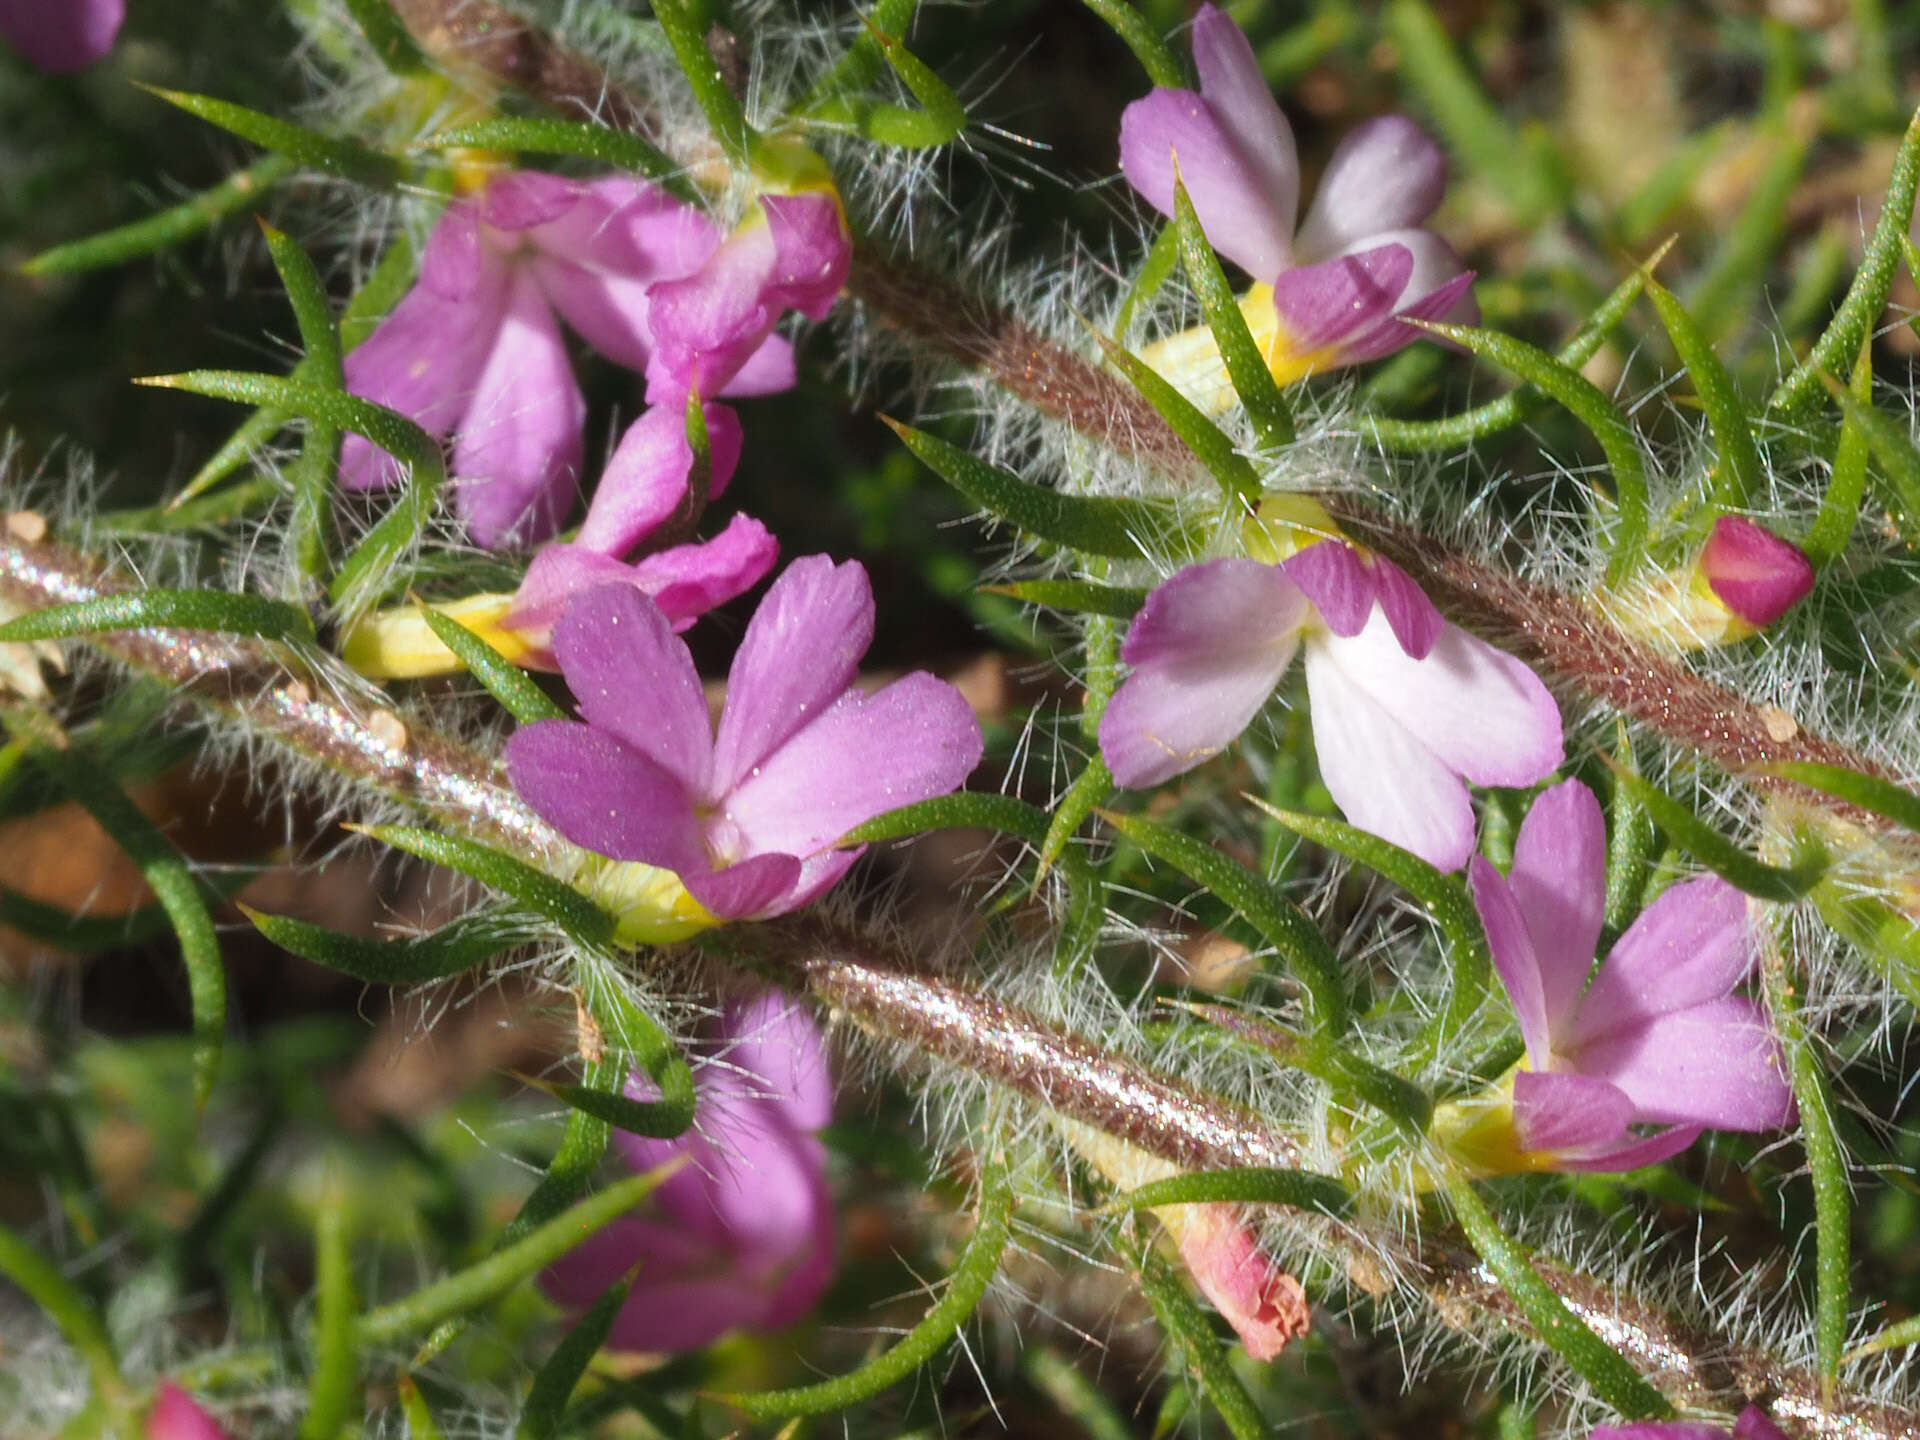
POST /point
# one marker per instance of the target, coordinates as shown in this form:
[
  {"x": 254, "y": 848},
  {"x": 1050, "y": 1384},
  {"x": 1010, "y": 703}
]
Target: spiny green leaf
[
  {"x": 536, "y": 890},
  {"x": 544, "y": 135},
  {"x": 968, "y": 810},
  {"x": 388, "y": 36},
  {"x": 975, "y": 1271},
  {"x": 637, "y": 1117},
  {"x": 686, "y": 34},
  {"x": 1209, "y": 443},
  {"x": 1139, "y": 36},
  {"x": 1089, "y": 597},
  {"x": 940, "y": 121},
  {"x": 1869, "y": 792},
  {"x": 346, "y": 158},
  {"x": 1255, "y": 1185},
  {"x": 164, "y": 609},
  {"x": 1898, "y": 467},
  {"x": 312, "y": 475},
  {"x": 862, "y": 63},
  {"x": 506, "y": 682},
  {"x": 1253, "y": 382},
  {"x": 1187, "y": 1329},
  {"x": 1090, "y": 788},
  {"x": 1706, "y": 844},
  {"x": 454, "y": 949},
  {"x": 553, "y": 1385},
  {"x": 1099, "y": 525},
  {"x": 1155, "y": 266},
  {"x": 240, "y": 191},
  {"x": 1738, "y": 475},
  {"x": 1839, "y": 515}
]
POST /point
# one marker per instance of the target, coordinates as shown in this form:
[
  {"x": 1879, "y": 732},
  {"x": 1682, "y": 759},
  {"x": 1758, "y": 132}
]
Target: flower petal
[
  {"x": 1207, "y": 650},
  {"x": 689, "y": 580},
  {"x": 1716, "y": 1064},
  {"x": 692, "y": 1299},
  {"x": 1266, "y": 1306},
  {"x": 775, "y": 1043},
  {"x": 606, "y": 796},
  {"x": 174, "y": 1415},
  {"x": 61, "y": 36},
  {"x": 632, "y": 677},
  {"x": 862, "y": 756},
  {"x": 1636, "y": 1152},
  {"x": 1415, "y": 619},
  {"x": 519, "y": 447},
  {"x": 1175, "y": 130},
  {"x": 1568, "y": 1112},
  {"x": 645, "y": 480},
  {"x": 767, "y": 371},
  {"x": 1339, "y": 582},
  {"x": 1337, "y": 303},
  {"x": 609, "y": 311},
  {"x": 1514, "y": 956},
  {"x": 1753, "y": 1424},
  {"x": 798, "y": 656},
  {"x": 1660, "y": 1430},
  {"x": 812, "y": 253},
  {"x": 521, "y": 199},
  {"x": 1381, "y": 771},
  {"x": 1692, "y": 945},
  {"x": 757, "y": 887},
  {"x": 1386, "y": 174},
  {"x": 707, "y": 325},
  {"x": 1236, "y": 92},
  {"x": 1753, "y": 572},
  {"x": 1559, "y": 879}
]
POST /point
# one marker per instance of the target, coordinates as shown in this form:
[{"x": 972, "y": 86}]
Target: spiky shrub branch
[{"x": 1322, "y": 1126}]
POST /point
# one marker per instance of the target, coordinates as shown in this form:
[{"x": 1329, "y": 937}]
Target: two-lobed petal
[
  {"x": 1345, "y": 583},
  {"x": 633, "y": 678},
  {"x": 1386, "y": 174},
  {"x": 645, "y": 479},
  {"x": 1559, "y": 882}
]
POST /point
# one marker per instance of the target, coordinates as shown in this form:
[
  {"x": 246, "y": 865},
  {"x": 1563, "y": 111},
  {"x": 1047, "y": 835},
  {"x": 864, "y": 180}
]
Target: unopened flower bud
[{"x": 1753, "y": 572}]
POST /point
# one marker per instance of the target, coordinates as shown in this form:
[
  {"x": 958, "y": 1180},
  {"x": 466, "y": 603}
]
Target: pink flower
[
  {"x": 1752, "y": 1425},
  {"x": 1755, "y": 574},
  {"x": 62, "y": 35},
  {"x": 174, "y": 1416},
  {"x": 1266, "y": 1306},
  {"x": 1658, "y": 1037},
  {"x": 748, "y": 819},
  {"x": 1357, "y": 266},
  {"x": 742, "y": 1234},
  {"x": 1406, "y": 709},
  {"x": 474, "y": 351}
]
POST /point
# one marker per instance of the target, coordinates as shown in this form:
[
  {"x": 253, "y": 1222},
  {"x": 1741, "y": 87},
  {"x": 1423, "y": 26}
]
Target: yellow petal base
[
  {"x": 1191, "y": 363},
  {"x": 397, "y": 644}
]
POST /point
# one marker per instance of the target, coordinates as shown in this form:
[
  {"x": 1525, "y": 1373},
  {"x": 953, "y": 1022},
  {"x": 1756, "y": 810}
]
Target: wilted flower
[
  {"x": 742, "y": 1233},
  {"x": 1752, "y": 1425},
  {"x": 1657, "y": 1038},
  {"x": 1334, "y": 293},
  {"x": 749, "y": 819},
  {"x": 1406, "y": 709},
  {"x": 61, "y": 35},
  {"x": 174, "y": 1416},
  {"x": 1742, "y": 580}
]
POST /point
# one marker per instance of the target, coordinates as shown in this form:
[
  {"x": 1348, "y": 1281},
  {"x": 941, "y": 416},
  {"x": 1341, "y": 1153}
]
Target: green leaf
[
  {"x": 241, "y": 191},
  {"x": 1073, "y": 1393},
  {"x": 336, "y": 1367},
  {"x": 975, "y": 1270},
  {"x": 553, "y": 1385},
  {"x": 1155, "y": 267},
  {"x": 346, "y": 158},
  {"x": 1738, "y": 476},
  {"x": 167, "y": 610},
  {"x": 1210, "y": 445},
  {"x": 1839, "y": 515},
  {"x": 544, "y": 135},
  {"x": 466, "y": 1291},
  {"x": 312, "y": 475},
  {"x": 1594, "y": 410},
  {"x": 41, "y": 1281},
  {"x": 1088, "y": 597},
  {"x": 1090, "y": 789},
  {"x": 1898, "y": 465},
  {"x": 454, "y": 949},
  {"x": 506, "y": 682},
  {"x": 1255, "y": 1185},
  {"x": 687, "y": 36},
  {"x": 1866, "y": 298},
  {"x": 1880, "y": 797},
  {"x": 968, "y": 810},
  {"x": 1192, "y": 1337},
  {"x": 1706, "y": 844},
  {"x": 1603, "y": 1367},
  {"x": 1896, "y": 1336},
  {"x": 940, "y": 121},
  {"x": 1099, "y": 525},
  {"x": 862, "y": 63},
  {"x": 1139, "y": 36},
  {"x": 539, "y": 892},
  {"x": 388, "y": 36},
  {"x": 1253, "y": 382},
  {"x": 420, "y": 1421},
  {"x": 653, "y": 1119},
  {"x": 1281, "y": 923}
]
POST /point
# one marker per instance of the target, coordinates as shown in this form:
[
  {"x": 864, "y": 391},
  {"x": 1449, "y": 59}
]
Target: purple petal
[
  {"x": 1382, "y": 774},
  {"x": 1439, "y": 288},
  {"x": 1331, "y": 305},
  {"x": 1692, "y": 945},
  {"x": 706, "y": 326},
  {"x": 812, "y": 253},
  {"x": 645, "y": 480},
  {"x": 608, "y": 311},
  {"x": 1236, "y": 92},
  {"x": 1715, "y": 1064},
  {"x": 767, "y": 371},
  {"x": 1753, "y": 572},
  {"x": 756, "y": 888},
  {"x": 1514, "y": 957},
  {"x": 694, "y": 1297},
  {"x": 774, "y": 1039},
  {"x": 1660, "y": 1430},
  {"x": 61, "y": 36},
  {"x": 798, "y": 656},
  {"x": 1339, "y": 582},
  {"x": 634, "y": 678},
  {"x": 625, "y": 227},
  {"x": 606, "y": 796},
  {"x": 862, "y": 756},
  {"x": 1414, "y": 618},
  {"x": 174, "y": 1415},
  {"x": 1632, "y": 1153},
  {"x": 1753, "y": 1424},
  {"x": 454, "y": 261},
  {"x": 522, "y": 199},
  {"x": 1175, "y": 130},
  {"x": 518, "y": 448},
  {"x": 1559, "y": 879},
  {"x": 1386, "y": 174},
  {"x": 1206, "y": 649},
  {"x": 689, "y": 580},
  {"x": 1568, "y": 1112}
]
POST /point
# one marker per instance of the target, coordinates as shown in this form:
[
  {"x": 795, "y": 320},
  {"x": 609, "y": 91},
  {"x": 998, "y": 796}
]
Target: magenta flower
[
  {"x": 1658, "y": 1037},
  {"x": 748, "y": 819},
  {"x": 174, "y": 1416},
  {"x": 1359, "y": 264},
  {"x": 1406, "y": 709},
  {"x": 1755, "y": 574},
  {"x": 61, "y": 36},
  {"x": 474, "y": 351},
  {"x": 1751, "y": 1425},
  {"x": 742, "y": 1234}
]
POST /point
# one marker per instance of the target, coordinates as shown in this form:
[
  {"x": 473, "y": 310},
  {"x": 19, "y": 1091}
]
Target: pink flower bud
[
  {"x": 1266, "y": 1306},
  {"x": 1753, "y": 572},
  {"x": 175, "y": 1417}
]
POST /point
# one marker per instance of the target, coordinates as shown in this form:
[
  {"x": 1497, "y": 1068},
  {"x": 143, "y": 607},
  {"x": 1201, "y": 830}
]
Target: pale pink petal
[
  {"x": 811, "y": 252},
  {"x": 819, "y": 873},
  {"x": 645, "y": 480},
  {"x": 1335, "y": 304},
  {"x": 758, "y": 887},
  {"x": 518, "y": 448},
  {"x": 522, "y": 199},
  {"x": 862, "y": 756},
  {"x": 1514, "y": 957},
  {"x": 1716, "y": 1064},
  {"x": 174, "y": 1415},
  {"x": 1753, "y": 572},
  {"x": 707, "y": 325},
  {"x": 1266, "y": 1306},
  {"x": 1207, "y": 650},
  {"x": 1569, "y": 1112},
  {"x": 689, "y": 580},
  {"x": 1660, "y": 1430},
  {"x": 1559, "y": 879},
  {"x": 1692, "y": 945},
  {"x": 767, "y": 371},
  {"x": 634, "y": 678},
  {"x": 798, "y": 656},
  {"x": 1385, "y": 174},
  {"x": 1383, "y": 775},
  {"x": 605, "y": 795},
  {"x": 609, "y": 311},
  {"x": 1175, "y": 131},
  {"x": 1237, "y": 94},
  {"x": 626, "y": 227},
  {"x": 61, "y": 36},
  {"x": 773, "y": 1039}
]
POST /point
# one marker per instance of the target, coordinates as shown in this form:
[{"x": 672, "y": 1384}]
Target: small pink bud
[
  {"x": 175, "y": 1417},
  {"x": 1753, "y": 572},
  {"x": 1266, "y": 1306}
]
